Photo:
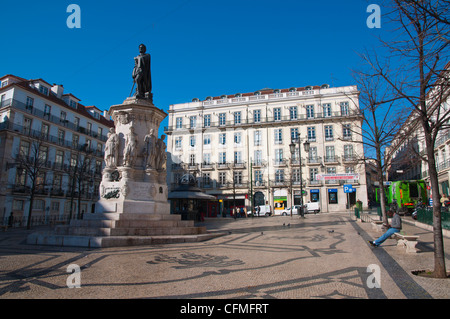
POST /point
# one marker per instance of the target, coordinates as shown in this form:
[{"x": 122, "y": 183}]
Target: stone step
[
  {"x": 102, "y": 216},
  {"x": 46, "y": 238},
  {"x": 107, "y": 223},
  {"x": 143, "y": 223},
  {"x": 82, "y": 231},
  {"x": 157, "y": 231}
]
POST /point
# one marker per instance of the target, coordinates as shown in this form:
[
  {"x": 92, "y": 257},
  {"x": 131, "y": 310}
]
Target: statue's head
[{"x": 142, "y": 48}]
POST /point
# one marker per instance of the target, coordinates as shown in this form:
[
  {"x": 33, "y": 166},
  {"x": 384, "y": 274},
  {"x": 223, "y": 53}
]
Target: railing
[
  {"x": 262, "y": 120},
  {"x": 426, "y": 216},
  {"x": 50, "y": 118},
  {"x": 40, "y": 220}
]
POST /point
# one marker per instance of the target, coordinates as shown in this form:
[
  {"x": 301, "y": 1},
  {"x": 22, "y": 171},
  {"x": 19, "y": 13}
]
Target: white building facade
[
  {"x": 237, "y": 146},
  {"x": 68, "y": 134}
]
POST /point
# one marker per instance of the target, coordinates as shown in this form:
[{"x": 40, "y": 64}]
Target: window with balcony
[
  {"x": 29, "y": 103},
  {"x": 346, "y": 132},
  {"x": 237, "y": 138},
  {"x": 222, "y": 158},
  {"x": 47, "y": 110},
  {"x": 277, "y": 114},
  {"x": 257, "y": 138},
  {"x": 311, "y": 134},
  {"x": 179, "y": 122},
  {"x": 278, "y": 134},
  {"x": 207, "y": 120},
  {"x": 178, "y": 143},
  {"x": 344, "y": 108},
  {"x": 294, "y": 134},
  {"x": 237, "y": 177},
  {"x": 27, "y": 125},
  {"x": 310, "y": 111},
  {"x": 327, "y": 110},
  {"x": 279, "y": 176},
  {"x": 238, "y": 157},
  {"x": 293, "y": 113},
  {"x": 237, "y": 118},
  {"x": 222, "y": 119},
  {"x": 207, "y": 139},
  {"x": 222, "y": 178},
  {"x": 192, "y": 141},
  {"x": 222, "y": 138},
  {"x": 192, "y": 122},
  {"x": 278, "y": 156},
  {"x": 257, "y": 116},
  {"x": 329, "y": 133}
]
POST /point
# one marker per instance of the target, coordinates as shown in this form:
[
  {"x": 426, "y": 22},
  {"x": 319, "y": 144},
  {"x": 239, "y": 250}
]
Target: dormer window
[
  {"x": 223, "y": 97},
  {"x": 325, "y": 86},
  {"x": 4, "y": 83},
  {"x": 292, "y": 89},
  {"x": 195, "y": 100},
  {"x": 238, "y": 95},
  {"x": 308, "y": 88},
  {"x": 73, "y": 104},
  {"x": 276, "y": 91},
  {"x": 257, "y": 93},
  {"x": 209, "y": 98},
  {"x": 43, "y": 89}
]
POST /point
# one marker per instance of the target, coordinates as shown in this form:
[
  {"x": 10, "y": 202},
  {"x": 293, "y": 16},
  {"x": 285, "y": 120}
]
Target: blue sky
[{"x": 199, "y": 48}]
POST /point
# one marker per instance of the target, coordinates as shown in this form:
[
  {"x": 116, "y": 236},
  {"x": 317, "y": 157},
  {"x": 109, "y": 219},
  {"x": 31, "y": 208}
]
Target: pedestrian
[{"x": 394, "y": 227}]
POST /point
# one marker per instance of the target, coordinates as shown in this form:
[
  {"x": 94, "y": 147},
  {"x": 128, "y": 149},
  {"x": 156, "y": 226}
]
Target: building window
[
  {"x": 222, "y": 119},
  {"x": 329, "y": 132},
  {"x": 294, "y": 134},
  {"x": 192, "y": 141},
  {"x": 296, "y": 175},
  {"x": 237, "y": 178},
  {"x": 326, "y": 110},
  {"x": 310, "y": 111},
  {"x": 45, "y": 129},
  {"x": 313, "y": 173},
  {"x": 24, "y": 149},
  {"x": 238, "y": 157},
  {"x": 207, "y": 179},
  {"x": 258, "y": 157},
  {"x": 75, "y": 140},
  {"x": 222, "y": 138},
  {"x": 178, "y": 141},
  {"x": 279, "y": 176},
  {"x": 27, "y": 126},
  {"x": 207, "y": 158},
  {"x": 207, "y": 120},
  {"x": 192, "y": 159},
  {"x": 258, "y": 138},
  {"x": 206, "y": 139},
  {"x": 59, "y": 158},
  {"x": 43, "y": 89},
  {"x": 257, "y": 116},
  {"x": 329, "y": 154},
  {"x": 258, "y": 177},
  {"x": 344, "y": 109},
  {"x": 222, "y": 178},
  {"x": 293, "y": 112},
  {"x": 18, "y": 204},
  {"x": 61, "y": 137},
  {"x": 237, "y": 138},
  {"x": 29, "y": 104},
  {"x": 193, "y": 122},
  {"x": 277, "y": 114},
  {"x": 62, "y": 117},
  {"x": 179, "y": 122},
  {"x": 47, "y": 110},
  {"x": 222, "y": 158},
  {"x": 237, "y": 117},
  {"x": 346, "y": 132},
  {"x": 348, "y": 152},
  {"x": 311, "y": 134},
  {"x": 279, "y": 156},
  {"x": 278, "y": 136}
]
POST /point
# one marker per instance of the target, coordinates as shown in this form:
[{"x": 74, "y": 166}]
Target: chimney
[{"x": 58, "y": 89}]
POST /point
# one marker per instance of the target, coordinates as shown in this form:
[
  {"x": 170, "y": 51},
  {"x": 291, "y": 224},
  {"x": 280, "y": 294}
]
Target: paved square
[{"x": 322, "y": 256}]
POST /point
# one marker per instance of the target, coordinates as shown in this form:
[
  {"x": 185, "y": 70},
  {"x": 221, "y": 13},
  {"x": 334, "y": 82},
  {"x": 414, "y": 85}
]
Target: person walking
[{"x": 394, "y": 227}]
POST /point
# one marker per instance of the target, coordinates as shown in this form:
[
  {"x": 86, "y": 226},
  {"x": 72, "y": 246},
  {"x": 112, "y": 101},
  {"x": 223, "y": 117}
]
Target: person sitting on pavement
[{"x": 394, "y": 227}]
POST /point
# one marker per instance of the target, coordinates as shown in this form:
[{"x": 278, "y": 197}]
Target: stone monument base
[{"x": 101, "y": 230}]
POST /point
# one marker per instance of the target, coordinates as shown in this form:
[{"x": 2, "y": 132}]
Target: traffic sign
[{"x": 348, "y": 188}]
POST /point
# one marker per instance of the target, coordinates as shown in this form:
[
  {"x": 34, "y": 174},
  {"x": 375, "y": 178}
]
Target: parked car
[
  {"x": 262, "y": 210},
  {"x": 308, "y": 208}
]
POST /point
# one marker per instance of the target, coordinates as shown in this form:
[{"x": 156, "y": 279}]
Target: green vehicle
[{"x": 406, "y": 193}]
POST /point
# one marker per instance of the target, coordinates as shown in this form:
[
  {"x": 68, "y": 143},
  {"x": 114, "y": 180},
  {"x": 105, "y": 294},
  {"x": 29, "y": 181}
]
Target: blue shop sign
[
  {"x": 314, "y": 191},
  {"x": 332, "y": 190}
]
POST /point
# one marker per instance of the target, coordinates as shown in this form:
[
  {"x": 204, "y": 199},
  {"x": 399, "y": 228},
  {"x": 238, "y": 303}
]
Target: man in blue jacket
[{"x": 395, "y": 227}]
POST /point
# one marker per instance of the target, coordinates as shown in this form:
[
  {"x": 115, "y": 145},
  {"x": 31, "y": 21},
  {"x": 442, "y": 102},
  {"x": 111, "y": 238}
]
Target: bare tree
[
  {"x": 31, "y": 162},
  {"x": 420, "y": 46},
  {"x": 377, "y": 103}
]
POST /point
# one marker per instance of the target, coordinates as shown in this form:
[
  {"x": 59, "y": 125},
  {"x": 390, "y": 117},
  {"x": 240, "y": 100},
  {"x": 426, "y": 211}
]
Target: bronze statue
[{"x": 142, "y": 74}]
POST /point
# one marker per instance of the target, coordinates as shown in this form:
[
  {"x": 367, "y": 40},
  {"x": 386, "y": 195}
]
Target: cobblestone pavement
[{"x": 320, "y": 256}]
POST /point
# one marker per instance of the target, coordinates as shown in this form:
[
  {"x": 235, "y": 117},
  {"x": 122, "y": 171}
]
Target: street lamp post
[{"x": 292, "y": 149}]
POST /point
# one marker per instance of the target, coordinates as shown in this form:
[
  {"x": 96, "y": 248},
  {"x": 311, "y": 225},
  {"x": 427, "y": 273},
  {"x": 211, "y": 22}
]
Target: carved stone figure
[
  {"x": 129, "y": 154},
  {"x": 161, "y": 153},
  {"x": 150, "y": 149},
  {"x": 142, "y": 73},
  {"x": 112, "y": 148}
]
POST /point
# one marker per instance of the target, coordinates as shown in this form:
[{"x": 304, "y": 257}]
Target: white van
[{"x": 264, "y": 210}]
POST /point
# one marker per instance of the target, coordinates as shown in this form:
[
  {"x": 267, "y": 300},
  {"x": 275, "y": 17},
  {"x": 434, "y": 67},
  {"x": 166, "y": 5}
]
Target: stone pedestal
[
  {"x": 133, "y": 208},
  {"x": 137, "y": 184}
]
